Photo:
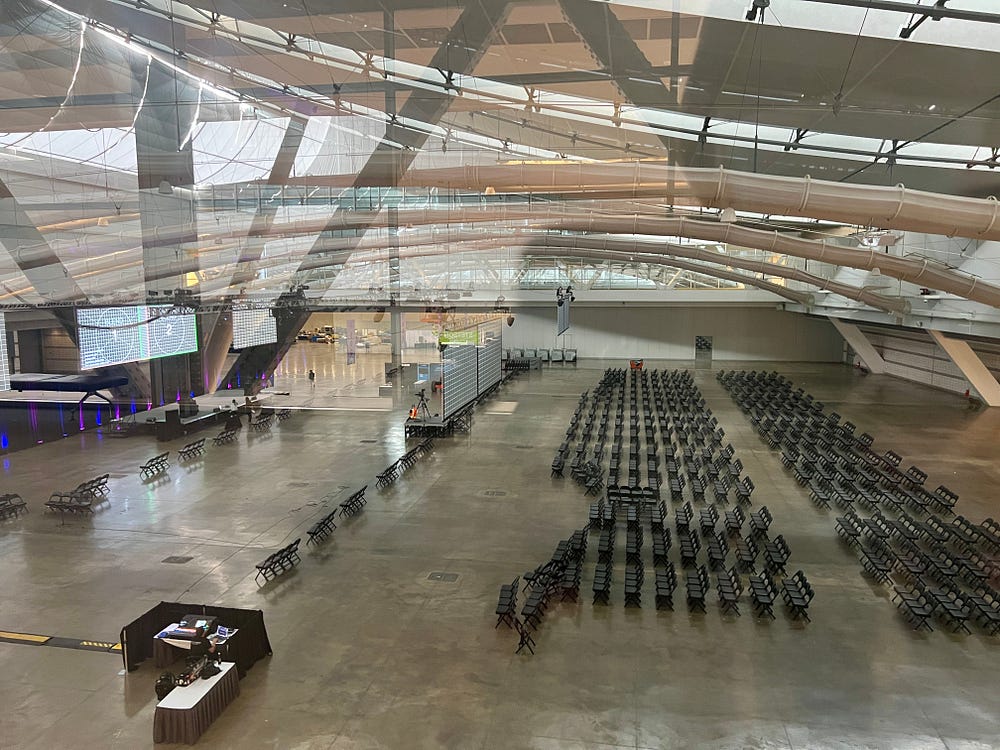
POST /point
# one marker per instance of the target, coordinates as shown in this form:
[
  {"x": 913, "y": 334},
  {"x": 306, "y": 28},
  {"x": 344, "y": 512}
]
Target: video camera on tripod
[{"x": 420, "y": 409}]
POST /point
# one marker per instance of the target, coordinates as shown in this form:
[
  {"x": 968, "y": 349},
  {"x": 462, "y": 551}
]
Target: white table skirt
[{"x": 183, "y": 698}]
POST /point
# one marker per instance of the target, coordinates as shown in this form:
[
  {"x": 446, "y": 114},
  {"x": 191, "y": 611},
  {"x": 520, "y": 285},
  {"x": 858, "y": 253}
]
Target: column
[
  {"x": 165, "y": 171},
  {"x": 966, "y": 360},
  {"x": 861, "y": 345}
]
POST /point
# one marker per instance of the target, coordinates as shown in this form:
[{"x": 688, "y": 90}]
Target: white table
[
  {"x": 164, "y": 657},
  {"x": 178, "y": 642},
  {"x": 188, "y": 711},
  {"x": 183, "y": 698}
]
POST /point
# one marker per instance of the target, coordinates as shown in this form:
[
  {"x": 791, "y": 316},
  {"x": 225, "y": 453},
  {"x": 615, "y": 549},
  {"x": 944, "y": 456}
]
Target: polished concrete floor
[
  {"x": 370, "y": 653},
  {"x": 338, "y": 384}
]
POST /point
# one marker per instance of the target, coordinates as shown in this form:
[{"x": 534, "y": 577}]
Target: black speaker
[{"x": 172, "y": 428}]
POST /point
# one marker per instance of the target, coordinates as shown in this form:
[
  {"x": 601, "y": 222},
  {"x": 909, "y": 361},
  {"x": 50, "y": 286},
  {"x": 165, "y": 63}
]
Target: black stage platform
[{"x": 86, "y": 384}]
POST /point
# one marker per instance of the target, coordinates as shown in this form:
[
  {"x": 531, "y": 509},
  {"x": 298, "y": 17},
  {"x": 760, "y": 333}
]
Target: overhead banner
[
  {"x": 468, "y": 336},
  {"x": 352, "y": 343},
  {"x": 562, "y": 316}
]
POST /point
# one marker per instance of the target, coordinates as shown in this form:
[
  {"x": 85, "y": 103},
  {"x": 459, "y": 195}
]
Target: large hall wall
[
  {"x": 739, "y": 333},
  {"x": 913, "y": 355}
]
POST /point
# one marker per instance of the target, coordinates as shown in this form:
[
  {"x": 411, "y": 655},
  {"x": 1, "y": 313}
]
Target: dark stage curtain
[{"x": 249, "y": 645}]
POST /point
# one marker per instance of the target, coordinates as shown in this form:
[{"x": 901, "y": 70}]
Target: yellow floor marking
[{"x": 25, "y": 637}]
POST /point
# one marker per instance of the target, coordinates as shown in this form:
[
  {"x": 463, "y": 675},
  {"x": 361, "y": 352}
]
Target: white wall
[
  {"x": 621, "y": 331},
  {"x": 914, "y": 356}
]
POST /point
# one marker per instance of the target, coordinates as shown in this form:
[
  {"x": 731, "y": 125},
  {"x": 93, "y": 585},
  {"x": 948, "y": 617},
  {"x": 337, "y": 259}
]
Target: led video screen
[
  {"x": 253, "y": 328},
  {"x": 4, "y": 368},
  {"x": 489, "y": 353},
  {"x": 115, "y": 335},
  {"x": 459, "y": 382}
]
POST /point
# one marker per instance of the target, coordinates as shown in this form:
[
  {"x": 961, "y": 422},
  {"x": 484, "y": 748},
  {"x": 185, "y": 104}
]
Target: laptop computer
[{"x": 199, "y": 621}]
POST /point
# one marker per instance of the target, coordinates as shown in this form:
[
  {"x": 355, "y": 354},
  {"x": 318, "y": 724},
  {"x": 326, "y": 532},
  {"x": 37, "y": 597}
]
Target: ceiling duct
[
  {"x": 866, "y": 205},
  {"x": 921, "y": 272}
]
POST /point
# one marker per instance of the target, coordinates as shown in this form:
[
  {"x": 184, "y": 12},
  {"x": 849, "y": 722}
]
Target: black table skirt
[
  {"x": 250, "y": 645},
  {"x": 165, "y": 654},
  {"x": 187, "y": 725}
]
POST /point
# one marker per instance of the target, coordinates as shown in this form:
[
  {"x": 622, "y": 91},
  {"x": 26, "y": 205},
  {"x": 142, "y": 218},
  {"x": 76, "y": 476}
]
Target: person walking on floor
[{"x": 312, "y": 379}]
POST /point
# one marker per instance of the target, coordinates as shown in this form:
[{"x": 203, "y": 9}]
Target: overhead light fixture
[
  {"x": 757, "y": 5},
  {"x": 490, "y": 190},
  {"x": 727, "y": 215},
  {"x": 876, "y": 238},
  {"x": 165, "y": 188},
  {"x": 565, "y": 295}
]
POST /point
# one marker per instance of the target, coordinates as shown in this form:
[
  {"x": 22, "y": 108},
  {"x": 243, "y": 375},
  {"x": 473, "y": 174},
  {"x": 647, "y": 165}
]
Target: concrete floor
[
  {"x": 369, "y": 653},
  {"x": 337, "y": 383}
]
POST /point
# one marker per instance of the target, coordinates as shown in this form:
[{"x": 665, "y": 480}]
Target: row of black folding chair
[
  {"x": 666, "y": 584},
  {"x": 506, "y": 610},
  {"x": 602, "y": 582},
  {"x": 798, "y": 594},
  {"x": 634, "y": 577},
  {"x": 729, "y": 587},
  {"x": 323, "y": 528},
  {"x": 881, "y": 469}
]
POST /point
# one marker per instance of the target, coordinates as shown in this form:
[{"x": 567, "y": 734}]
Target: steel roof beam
[
  {"x": 461, "y": 51},
  {"x": 935, "y": 12},
  {"x": 280, "y": 170},
  {"x": 613, "y": 47}
]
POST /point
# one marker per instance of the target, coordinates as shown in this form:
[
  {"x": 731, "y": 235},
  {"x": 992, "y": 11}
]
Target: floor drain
[
  {"x": 525, "y": 447},
  {"x": 298, "y": 484},
  {"x": 443, "y": 577},
  {"x": 493, "y": 493},
  {"x": 176, "y": 560},
  {"x": 369, "y": 441}
]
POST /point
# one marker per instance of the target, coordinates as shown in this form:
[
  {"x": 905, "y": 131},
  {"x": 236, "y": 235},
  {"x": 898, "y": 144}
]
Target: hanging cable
[
  {"x": 930, "y": 132},
  {"x": 847, "y": 69},
  {"x": 756, "y": 123},
  {"x": 746, "y": 87}
]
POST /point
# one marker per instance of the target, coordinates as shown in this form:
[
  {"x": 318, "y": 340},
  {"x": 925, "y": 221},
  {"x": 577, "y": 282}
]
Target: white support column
[
  {"x": 972, "y": 367},
  {"x": 861, "y": 345}
]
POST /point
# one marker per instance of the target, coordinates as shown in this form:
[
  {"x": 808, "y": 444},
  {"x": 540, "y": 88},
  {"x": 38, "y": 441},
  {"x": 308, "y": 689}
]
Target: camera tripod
[{"x": 423, "y": 412}]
